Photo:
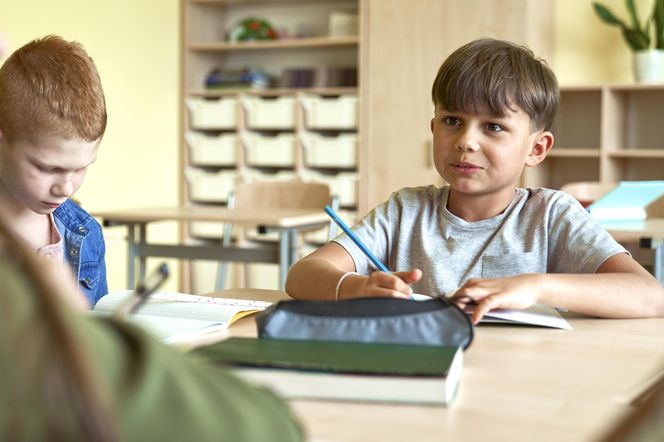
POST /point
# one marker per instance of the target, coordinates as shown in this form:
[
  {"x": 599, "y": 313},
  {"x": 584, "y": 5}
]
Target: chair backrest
[
  {"x": 281, "y": 195},
  {"x": 587, "y": 192}
]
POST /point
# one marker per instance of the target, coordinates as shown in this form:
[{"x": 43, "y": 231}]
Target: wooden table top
[
  {"x": 519, "y": 384},
  {"x": 283, "y": 218}
]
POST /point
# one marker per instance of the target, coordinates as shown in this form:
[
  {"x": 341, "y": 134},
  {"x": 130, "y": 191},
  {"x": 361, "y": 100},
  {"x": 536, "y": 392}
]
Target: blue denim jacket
[{"x": 84, "y": 249}]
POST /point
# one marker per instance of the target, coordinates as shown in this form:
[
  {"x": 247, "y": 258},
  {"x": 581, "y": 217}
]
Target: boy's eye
[
  {"x": 451, "y": 121},
  {"x": 493, "y": 127}
]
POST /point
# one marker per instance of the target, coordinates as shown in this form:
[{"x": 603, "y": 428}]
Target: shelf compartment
[
  {"x": 263, "y": 113},
  {"x": 212, "y": 114},
  {"x": 208, "y": 187},
  {"x": 635, "y": 169},
  {"x": 330, "y": 113},
  {"x": 330, "y": 152},
  {"x": 269, "y": 151},
  {"x": 638, "y": 120},
  {"x": 212, "y": 150},
  {"x": 577, "y": 123},
  {"x": 557, "y": 171}
]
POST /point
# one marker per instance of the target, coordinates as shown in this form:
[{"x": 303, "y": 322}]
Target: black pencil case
[{"x": 436, "y": 322}]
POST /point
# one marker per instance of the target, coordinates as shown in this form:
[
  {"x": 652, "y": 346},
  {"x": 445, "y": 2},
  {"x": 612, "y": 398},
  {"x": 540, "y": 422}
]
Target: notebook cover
[{"x": 338, "y": 357}]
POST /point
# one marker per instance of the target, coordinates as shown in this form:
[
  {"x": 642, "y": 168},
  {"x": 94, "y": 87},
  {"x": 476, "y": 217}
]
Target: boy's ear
[
  {"x": 542, "y": 145},
  {"x": 431, "y": 125}
]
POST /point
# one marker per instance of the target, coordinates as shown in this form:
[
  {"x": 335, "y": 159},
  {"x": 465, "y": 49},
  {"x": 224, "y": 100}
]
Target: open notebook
[
  {"x": 540, "y": 315},
  {"x": 180, "y": 318}
]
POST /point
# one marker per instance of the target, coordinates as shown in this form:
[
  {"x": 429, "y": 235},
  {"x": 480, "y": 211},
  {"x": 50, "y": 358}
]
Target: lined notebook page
[{"x": 175, "y": 317}]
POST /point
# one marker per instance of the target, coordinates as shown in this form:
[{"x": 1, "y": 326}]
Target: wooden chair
[{"x": 272, "y": 195}]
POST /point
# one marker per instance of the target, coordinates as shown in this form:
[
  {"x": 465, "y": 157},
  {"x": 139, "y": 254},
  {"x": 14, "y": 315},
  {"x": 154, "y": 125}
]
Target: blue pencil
[{"x": 339, "y": 222}]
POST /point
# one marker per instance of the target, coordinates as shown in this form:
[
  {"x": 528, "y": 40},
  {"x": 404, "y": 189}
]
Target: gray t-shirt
[{"x": 541, "y": 231}]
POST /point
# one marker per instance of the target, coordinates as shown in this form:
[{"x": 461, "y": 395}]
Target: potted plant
[{"x": 646, "y": 40}]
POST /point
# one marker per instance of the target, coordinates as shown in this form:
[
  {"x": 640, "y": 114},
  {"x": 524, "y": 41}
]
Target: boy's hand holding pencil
[{"x": 379, "y": 283}]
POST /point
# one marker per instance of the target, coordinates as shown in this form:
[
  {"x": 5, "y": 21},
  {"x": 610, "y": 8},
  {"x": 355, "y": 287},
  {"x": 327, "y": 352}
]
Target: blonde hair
[
  {"x": 492, "y": 76},
  {"x": 50, "y": 87}
]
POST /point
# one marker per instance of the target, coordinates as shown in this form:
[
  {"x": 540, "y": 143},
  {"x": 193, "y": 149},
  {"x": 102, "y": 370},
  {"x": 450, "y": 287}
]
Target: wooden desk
[
  {"x": 650, "y": 234},
  {"x": 519, "y": 384},
  {"x": 285, "y": 221}
]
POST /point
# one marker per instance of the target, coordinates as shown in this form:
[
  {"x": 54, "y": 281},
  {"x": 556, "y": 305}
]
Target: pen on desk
[{"x": 143, "y": 292}]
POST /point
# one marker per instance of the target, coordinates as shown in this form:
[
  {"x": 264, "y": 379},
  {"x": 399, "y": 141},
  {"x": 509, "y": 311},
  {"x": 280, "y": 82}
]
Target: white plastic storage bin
[
  {"x": 330, "y": 113},
  {"x": 270, "y": 113},
  {"x": 342, "y": 185},
  {"x": 210, "y": 150},
  {"x": 263, "y": 150},
  {"x": 212, "y": 114},
  {"x": 210, "y": 186},
  {"x": 339, "y": 151}
]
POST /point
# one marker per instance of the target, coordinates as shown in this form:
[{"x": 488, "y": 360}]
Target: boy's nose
[
  {"x": 467, "y": 142},
  {"x": 64, "y": 188}
]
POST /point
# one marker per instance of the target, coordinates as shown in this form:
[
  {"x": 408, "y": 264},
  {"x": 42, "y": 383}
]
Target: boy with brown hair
[
  {"x": 52, "y": 119},
  {"x": 480, "y": 236}
]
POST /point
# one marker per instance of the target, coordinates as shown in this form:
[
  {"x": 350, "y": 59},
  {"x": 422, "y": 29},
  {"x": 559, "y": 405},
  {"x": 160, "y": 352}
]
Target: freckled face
[
  {"x": 479, "y": 154},
  {"x": 40, "y": 176}
]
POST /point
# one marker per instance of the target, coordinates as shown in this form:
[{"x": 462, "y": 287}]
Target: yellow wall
[
  {"x": 588, "y": 51},
  {"x": 135, "y": 45}
]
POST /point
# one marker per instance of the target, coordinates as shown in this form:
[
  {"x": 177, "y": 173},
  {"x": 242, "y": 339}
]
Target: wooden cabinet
[{"x": 607, "y": 134}]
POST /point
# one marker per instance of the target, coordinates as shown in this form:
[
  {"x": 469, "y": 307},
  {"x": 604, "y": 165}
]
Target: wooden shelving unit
[
  {"x": 206, "y": 24},
  {"x": 606, "y": 133}
]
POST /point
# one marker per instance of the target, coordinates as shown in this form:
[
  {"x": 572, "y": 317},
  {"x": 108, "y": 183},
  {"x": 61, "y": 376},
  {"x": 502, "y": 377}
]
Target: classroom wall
[
  {"x": 136, "y": 47},
  {"x": 588, "y": 51}
]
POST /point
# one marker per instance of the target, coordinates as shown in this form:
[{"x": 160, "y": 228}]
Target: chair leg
[{"x": 222, "y": 269}]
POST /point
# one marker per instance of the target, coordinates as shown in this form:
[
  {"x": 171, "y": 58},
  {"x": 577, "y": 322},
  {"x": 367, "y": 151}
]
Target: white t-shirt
[{"x": 541, "y": 231}]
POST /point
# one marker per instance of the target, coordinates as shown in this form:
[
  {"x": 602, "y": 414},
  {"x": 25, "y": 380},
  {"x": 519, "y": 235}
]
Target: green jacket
[{"x": 154, "y": 392}]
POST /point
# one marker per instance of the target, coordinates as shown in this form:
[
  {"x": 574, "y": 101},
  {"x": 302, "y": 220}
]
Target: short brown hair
[
  {"x": 492, "y": 76},
  {"x": 51, "y": 87}
]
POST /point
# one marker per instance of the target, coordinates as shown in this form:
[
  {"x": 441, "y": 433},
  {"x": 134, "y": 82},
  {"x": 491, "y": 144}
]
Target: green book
[{"x": 343, "y": 371}]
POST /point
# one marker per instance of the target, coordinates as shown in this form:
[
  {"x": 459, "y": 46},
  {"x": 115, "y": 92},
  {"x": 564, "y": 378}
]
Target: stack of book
[{"x": 324, "y": 370}]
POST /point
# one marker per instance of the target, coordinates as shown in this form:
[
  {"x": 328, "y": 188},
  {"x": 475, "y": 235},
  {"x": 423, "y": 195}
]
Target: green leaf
[
  {"x": 658, "y": 19},
  {"x": 607, "y": 16},
  {"x": 637, "y": 40},
  {"x": 633, "y": 14}
]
